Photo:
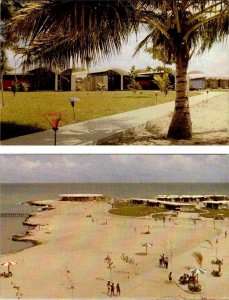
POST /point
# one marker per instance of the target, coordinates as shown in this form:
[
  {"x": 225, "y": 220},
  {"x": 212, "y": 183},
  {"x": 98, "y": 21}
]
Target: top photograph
[{"x": 114, "y": 72}]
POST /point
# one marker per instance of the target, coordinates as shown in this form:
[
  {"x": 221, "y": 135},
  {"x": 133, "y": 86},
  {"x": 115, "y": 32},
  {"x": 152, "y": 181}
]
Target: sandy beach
[
  {"x": 74, "y": 245},
  {"x": 209, "y": 121}
]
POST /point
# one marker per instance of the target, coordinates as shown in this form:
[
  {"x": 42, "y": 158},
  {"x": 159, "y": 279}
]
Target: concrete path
[{"x": 95, "y": 132}]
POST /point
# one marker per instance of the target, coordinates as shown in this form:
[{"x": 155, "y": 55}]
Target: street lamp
[
  {"x": 156, "y": 97},
  {"x": 72, "y": 101},
  {"x": 54, "y": 119}
]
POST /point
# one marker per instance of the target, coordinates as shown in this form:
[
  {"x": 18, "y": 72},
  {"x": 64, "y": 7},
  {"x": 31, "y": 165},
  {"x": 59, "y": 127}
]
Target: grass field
[
  {"x": 134, "y": 210},
  {"x": 24, "y": 112},
  {"x": 214, "y": 213}
]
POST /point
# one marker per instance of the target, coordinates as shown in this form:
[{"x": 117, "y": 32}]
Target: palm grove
[{"x": 59, "y": 32}]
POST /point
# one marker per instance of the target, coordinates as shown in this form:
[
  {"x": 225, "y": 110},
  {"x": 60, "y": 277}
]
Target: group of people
[
  {"x": 164, "y": 261},
  {"x": 111, "y": 289},
  {"x": 185, "y": 279}
]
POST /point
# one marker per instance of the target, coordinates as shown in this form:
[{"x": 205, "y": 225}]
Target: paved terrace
[{"x": 95, "y": 132}]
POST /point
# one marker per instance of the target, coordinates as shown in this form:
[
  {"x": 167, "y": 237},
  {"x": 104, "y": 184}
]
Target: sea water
[{"x": 14, "y": 194}]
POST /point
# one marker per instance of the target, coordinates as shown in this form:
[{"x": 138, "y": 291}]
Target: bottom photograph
[{"x": 102, "y": 226}]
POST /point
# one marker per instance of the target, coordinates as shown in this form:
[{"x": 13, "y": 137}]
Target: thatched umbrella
[
  {"x": 146, "y": 245},
  {"x": 8, "y": 264}
]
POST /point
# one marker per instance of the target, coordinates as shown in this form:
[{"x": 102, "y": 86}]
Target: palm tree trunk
[
  {"x": 2, "y": 92},
  {"x": 181, "y": 126}
]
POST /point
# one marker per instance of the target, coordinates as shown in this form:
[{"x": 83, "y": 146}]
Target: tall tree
[
  {"x": 180, "y": 28},
  {"x": 64, "y": 30},
  {"x": 7, "y": 38}
]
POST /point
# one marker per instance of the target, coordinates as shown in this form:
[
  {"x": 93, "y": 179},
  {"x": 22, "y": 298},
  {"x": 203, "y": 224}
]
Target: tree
[
  {"x": 133, "y": 86},
  {"x": 65, "y": 30},
  {"x": 163, "y": 82},
  {"x": 178, "y": 29},
  {"x": 101, "y": 86},
  {"x": 8, "y": 38}
]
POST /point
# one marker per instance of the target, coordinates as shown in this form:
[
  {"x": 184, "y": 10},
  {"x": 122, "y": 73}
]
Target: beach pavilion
[{"x": 81, "y": 197}]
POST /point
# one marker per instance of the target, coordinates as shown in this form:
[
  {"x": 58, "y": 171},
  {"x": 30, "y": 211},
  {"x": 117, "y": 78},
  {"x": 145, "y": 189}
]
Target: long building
[
  {"x": 185, "y": 201},
  {"x": 81, "y": 197},
  {"x": 204, "y": 82}
]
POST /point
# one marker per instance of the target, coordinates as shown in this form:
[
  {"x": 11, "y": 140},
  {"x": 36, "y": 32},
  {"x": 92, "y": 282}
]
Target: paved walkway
[{"x": 95, "y": 132}]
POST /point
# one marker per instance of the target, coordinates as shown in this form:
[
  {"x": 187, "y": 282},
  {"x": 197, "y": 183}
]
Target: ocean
[{"x": 13, "y": 194}]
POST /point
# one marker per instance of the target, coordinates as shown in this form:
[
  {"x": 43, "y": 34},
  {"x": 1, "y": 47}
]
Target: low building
[
  {"x": 216, "y": 204},
  {"x": 81, "y": 197},
  {"x": 146, "y": 80},
  {"x": 203, "y": 82},
  {"x": 10, "y": 78},
  {"x": 162, "y": 203}
]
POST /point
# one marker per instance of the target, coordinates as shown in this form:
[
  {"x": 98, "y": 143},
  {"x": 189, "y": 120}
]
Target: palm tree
[
  {"x": 181, "y": 28},
  {"x": 63, "y": 30},
  {"x": 162, "y": 81},
  {"x": 8, "y": 39}
]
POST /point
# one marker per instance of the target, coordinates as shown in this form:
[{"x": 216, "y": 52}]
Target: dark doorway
[{"x": 114, "y": 81}]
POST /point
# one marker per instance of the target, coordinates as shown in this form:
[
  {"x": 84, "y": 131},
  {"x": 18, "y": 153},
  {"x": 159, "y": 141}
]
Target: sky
[
  {"x": 79, "y": 168},
  {"x": 211, "y": 63}
]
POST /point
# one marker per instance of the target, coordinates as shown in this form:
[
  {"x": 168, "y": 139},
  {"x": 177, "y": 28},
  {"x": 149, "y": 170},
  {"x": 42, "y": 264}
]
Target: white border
[{"x": 114, "y": 150}]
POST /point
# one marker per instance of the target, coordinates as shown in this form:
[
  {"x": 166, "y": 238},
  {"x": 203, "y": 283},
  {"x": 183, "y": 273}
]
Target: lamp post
[
  {"x": 72, "y": 101},
  {"x": 156, "y": 97},
  {"x": 54, "y": 119}
]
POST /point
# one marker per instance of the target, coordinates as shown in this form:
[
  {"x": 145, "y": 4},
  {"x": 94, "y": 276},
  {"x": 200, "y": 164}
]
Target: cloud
[{"x": 114, "y": 168}]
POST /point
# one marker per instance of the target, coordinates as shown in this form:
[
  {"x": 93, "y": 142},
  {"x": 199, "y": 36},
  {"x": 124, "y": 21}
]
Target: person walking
[
  {"x": 170, "y": 277},
  {"x": 118, "y": 291},
  {"x": 112, "y": 289},
  {"x": 108, "y": 287},
  {"x": 166, "y": 263}
]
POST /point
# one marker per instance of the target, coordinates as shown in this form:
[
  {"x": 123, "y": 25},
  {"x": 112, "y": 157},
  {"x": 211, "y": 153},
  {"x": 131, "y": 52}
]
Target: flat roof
[
  {"x": 217, "y": 202},
  {"x": 172, "y": 203},
  {"x": 163, "y": 202},
  {"x": 80, "y": 195}
]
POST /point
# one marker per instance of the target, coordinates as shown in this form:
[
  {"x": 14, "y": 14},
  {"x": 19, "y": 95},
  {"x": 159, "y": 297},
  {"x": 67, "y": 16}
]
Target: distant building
[
  {"x": 184, "y": 202},
  {"x": 39, "y": 79},
  {"x": 81, "y": 197},
  {"x": 10, "y": 78},
  {"x": 204, "y": 82},
  {"x": 146, "y": 80}
]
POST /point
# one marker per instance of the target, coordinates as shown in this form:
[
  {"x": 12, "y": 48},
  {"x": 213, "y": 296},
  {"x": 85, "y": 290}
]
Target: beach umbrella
[
  {"x": 8, "y": 264},
  {"x": 146, "y": 245},
  {"x": 197, "y": 271}
]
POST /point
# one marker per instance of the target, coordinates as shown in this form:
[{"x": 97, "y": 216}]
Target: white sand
[
  {"x": 71, "y": 241},
  {"x": 210, "y": 125}
]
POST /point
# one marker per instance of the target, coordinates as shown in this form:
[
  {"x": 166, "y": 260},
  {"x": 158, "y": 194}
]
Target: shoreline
[
  {"x": 73, "y": 241},
  {"x": 26, "y": 237}
]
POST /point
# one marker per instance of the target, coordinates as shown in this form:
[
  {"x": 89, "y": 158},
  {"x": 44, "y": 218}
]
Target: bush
[{"x": 17, "y": 86}]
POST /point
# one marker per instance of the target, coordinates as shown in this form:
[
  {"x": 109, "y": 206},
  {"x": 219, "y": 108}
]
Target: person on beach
[
  {"x": 112, "y": 289},
  {"x": 225, "y": 234},
  {"x": 166, "y": 262},
  {"x": 170, "y": 277},
  {"x": 108, "y": 287},
  {"x": 118, "y": 291},
  {"x": 161, "y": 261}
]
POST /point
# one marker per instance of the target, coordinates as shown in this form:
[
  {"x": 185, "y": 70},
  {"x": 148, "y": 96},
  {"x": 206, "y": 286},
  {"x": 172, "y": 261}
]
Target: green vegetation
[
  {"x": 214, "y": 213},
  {"x": 134, "y": 210},
  {"x": 176, "y": 30},
  {"x": 24, "y": 112}
]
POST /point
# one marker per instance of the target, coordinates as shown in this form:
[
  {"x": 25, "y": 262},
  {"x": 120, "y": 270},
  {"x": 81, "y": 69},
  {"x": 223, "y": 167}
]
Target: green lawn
[
  {"x": 134, "y": 210},
  {"x": 212, "y": 213},
  {"x": 24, "y": 112}
]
